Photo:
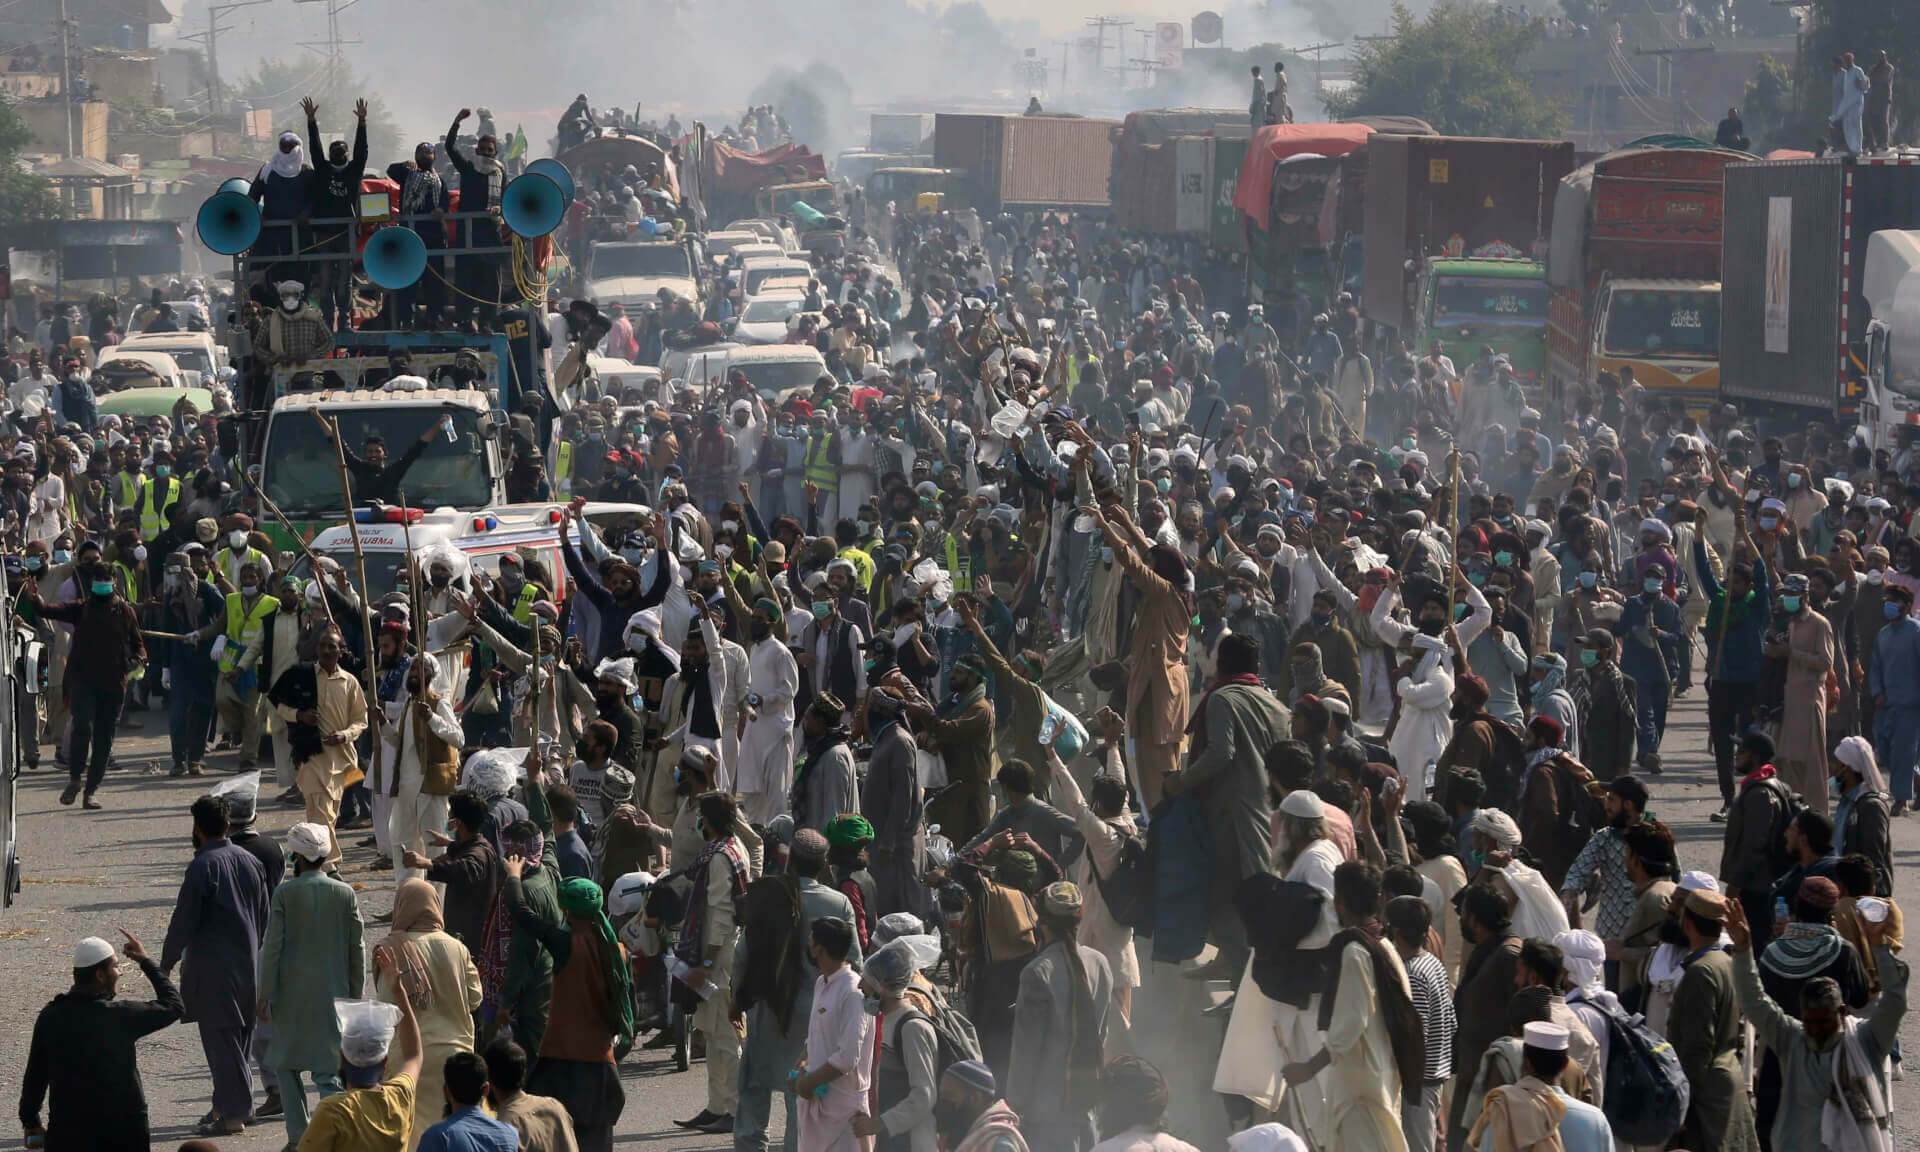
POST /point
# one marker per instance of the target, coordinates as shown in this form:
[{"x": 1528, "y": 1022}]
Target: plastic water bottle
[
  {"x": 1779, "y": 909},
  {"x": 1433, "y": 775}
]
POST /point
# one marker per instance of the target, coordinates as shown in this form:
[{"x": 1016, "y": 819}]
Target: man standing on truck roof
[
  {"x": 373, "y": 479},
  {"x": 1257, "y": 110},
  {"x": 1879, "y": 122}
]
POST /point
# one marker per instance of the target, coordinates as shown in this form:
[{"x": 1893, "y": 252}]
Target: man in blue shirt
[
  {"x": 467, "y": 1127},
  {"x": 1517, "y": 1114},
  {"x": 1893, "y": 680}
]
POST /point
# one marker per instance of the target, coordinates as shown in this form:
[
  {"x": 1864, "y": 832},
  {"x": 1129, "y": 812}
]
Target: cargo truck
[
  {"x": 1027, "y": 162},
  {"x": 1819, "y": 294},
  {"x": 1485, "y": 301},
  {"x": 1163, "y": 168},
  {"x": 1634, "y": 264},
  {"x": 1454, "y": 197}
]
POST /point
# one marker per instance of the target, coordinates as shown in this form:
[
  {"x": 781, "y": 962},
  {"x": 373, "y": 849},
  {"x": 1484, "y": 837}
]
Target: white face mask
[
  {"x": 140, "y": 554},
  {"x": 290, "y": 303},
  {"x": 237, "y": 539}
]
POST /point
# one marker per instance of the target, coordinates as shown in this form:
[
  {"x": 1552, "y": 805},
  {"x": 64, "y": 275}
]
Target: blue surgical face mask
[
  {"x": 1588, "y": 658},
  {"x": 31, "y": 564},
  {"x": 1235, "y": 601},
  {"x": 1769, "y": 523},
  {"x": 822, "y": 609},
  {"x": 1893, "y": 610},
  {"x": 103, "y": 587},
  {"x": 1479, "y": 579},
  {"x": 160, "y": 471},
  {"x": 61, "y": 556},
  {"x": 1165, "y": 484},
  {"x": 1503, "y": 558},
  {"x": 1652, "y": 584},
  {"x": 1791, "y": 604},
  {"x": 1589, "y": 579}
]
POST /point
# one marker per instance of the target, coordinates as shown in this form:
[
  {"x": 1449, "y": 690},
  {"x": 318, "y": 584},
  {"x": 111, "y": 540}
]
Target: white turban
[
  {"x": 311, "y": 842},
  {"x": 621, "y": 670},
  {"x": 1657, "y": 527},
  {"x": 1856, "y": 753},
  {"x": 1266, "y": 1138},
  {"x": 1498, "y": 826},
  {"x": 646, "y": 622},
  {"x": 491, "y": 773},
  {"x": 1586, "y": 958}
]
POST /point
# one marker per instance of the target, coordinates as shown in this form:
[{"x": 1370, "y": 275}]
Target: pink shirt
[
  {"x": 839, "y": 1033},
  {"x": 1339, "y": 830}
]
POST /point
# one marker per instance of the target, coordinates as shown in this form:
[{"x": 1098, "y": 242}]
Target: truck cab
[
  {"x": 1667, "y": 330},
  {"x": 632, "y": 272},
  {"x": 914, "y": 190},
  {"x": 1886, "y": 372},
  {"x": 461, "y": 468},
  {"x": 1467, "y": 304}
]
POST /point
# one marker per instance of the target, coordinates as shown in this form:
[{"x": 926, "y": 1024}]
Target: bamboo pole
[
  {"x": 360, "y": 562},
  {"x": 313, "y": 560}
]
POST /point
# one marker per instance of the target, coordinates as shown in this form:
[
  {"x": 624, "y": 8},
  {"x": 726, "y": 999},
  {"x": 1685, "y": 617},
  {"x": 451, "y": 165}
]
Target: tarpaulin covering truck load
[
  {"x": 1634, "y": 263},
  {"x": 1816, "y": 262},
  {"x": 1027, "y": 161}
]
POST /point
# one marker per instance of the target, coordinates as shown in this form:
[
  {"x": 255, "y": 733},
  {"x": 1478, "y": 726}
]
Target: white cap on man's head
[
  {"x": 1699, "y": 882},
  {"x": 1303, "y": 803},
  {"x": 1547, "y": 1036},
  {"x": 93, "y": 950}
]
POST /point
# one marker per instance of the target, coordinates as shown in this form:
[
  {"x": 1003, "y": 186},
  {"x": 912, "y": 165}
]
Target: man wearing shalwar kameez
[
  {"x": 833, "y": 1087},
  {"x": 1360, "y": 1074},
  {"x": 339, "y": 713},
  {"x": 1801, "y": 748},
  {"x": 765, "y": 768},
  {"x": 312, "y": 958},
  {"x": 891, "y": 802},
  {"x": 218, "y": 920}
]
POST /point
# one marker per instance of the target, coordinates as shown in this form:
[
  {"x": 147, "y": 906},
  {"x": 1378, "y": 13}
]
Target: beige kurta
[
  {"x": 446, "y": 1026},
  {"x": 1363, "y": 1082},
  {"x": 1801, "y": 751},
  {"x": 1157, "y": 663},
  {"x": 323, "y": 778}
]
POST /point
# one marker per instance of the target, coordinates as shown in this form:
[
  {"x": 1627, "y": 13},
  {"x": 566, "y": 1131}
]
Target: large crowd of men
[{"x": 1079, "y": 599}]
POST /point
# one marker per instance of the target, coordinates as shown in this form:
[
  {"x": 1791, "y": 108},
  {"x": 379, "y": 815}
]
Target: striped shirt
[{"x": 1433, "y": 1000}]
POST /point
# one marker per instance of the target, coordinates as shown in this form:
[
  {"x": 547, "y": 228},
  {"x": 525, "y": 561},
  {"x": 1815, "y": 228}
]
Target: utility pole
[
  {"x": 1665, "y": 56},
  {"x": 66, "y": 76},
  {"x": 211, "y": 39},
  {"x": 1318, "y": 62},
  {"x": 1066, "y": 53},
  {"x": 331, "y": 88},
  {"x": 1100, "y": 24}
]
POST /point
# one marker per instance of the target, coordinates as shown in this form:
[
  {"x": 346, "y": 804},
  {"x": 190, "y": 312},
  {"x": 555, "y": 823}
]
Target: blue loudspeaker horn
[
  {"x": 395, "y": 258},
  {"x": 532, "y": 205},
  {"x": 238, "y": 184},
  {"x": 228, "y": 223},
  {"x": 557, "y": 172}
]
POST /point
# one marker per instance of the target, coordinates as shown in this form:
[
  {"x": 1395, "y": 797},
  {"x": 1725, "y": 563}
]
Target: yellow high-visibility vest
[{"x": 244, "y": 628}]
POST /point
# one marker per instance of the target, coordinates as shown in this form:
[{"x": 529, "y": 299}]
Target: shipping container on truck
[
  {"x": 1452, "y": 196},
  {"x": 1014, "y": 162},
  {"x": 1634, "y": 264},
  {"x": 1162, "y": 177},
  {"x": 1800, "y": 300}
]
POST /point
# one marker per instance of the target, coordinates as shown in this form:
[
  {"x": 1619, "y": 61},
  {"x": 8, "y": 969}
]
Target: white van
[{"x": 776, "y": 371}]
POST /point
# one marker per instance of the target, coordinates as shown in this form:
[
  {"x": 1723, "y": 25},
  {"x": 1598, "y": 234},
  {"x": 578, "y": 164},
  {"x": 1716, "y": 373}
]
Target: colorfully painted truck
[
  {"x": 1485, "y": 301},
  {"x": 1634, "y": 264}
]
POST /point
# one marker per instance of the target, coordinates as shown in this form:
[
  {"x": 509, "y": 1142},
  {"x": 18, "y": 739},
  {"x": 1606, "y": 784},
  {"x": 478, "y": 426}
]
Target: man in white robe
[
  {"x": 763, "y": 770},
  {"x": 1356, "y": 1063}
]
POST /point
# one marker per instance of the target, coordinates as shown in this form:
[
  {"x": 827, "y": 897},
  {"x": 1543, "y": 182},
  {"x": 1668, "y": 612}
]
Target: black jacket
[
  {"x": 298, "y": 688},
  {"x": 335, "y": 191},
  {"x": 267, "y": 850},
  {"x": 83, "y": 1057}
]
